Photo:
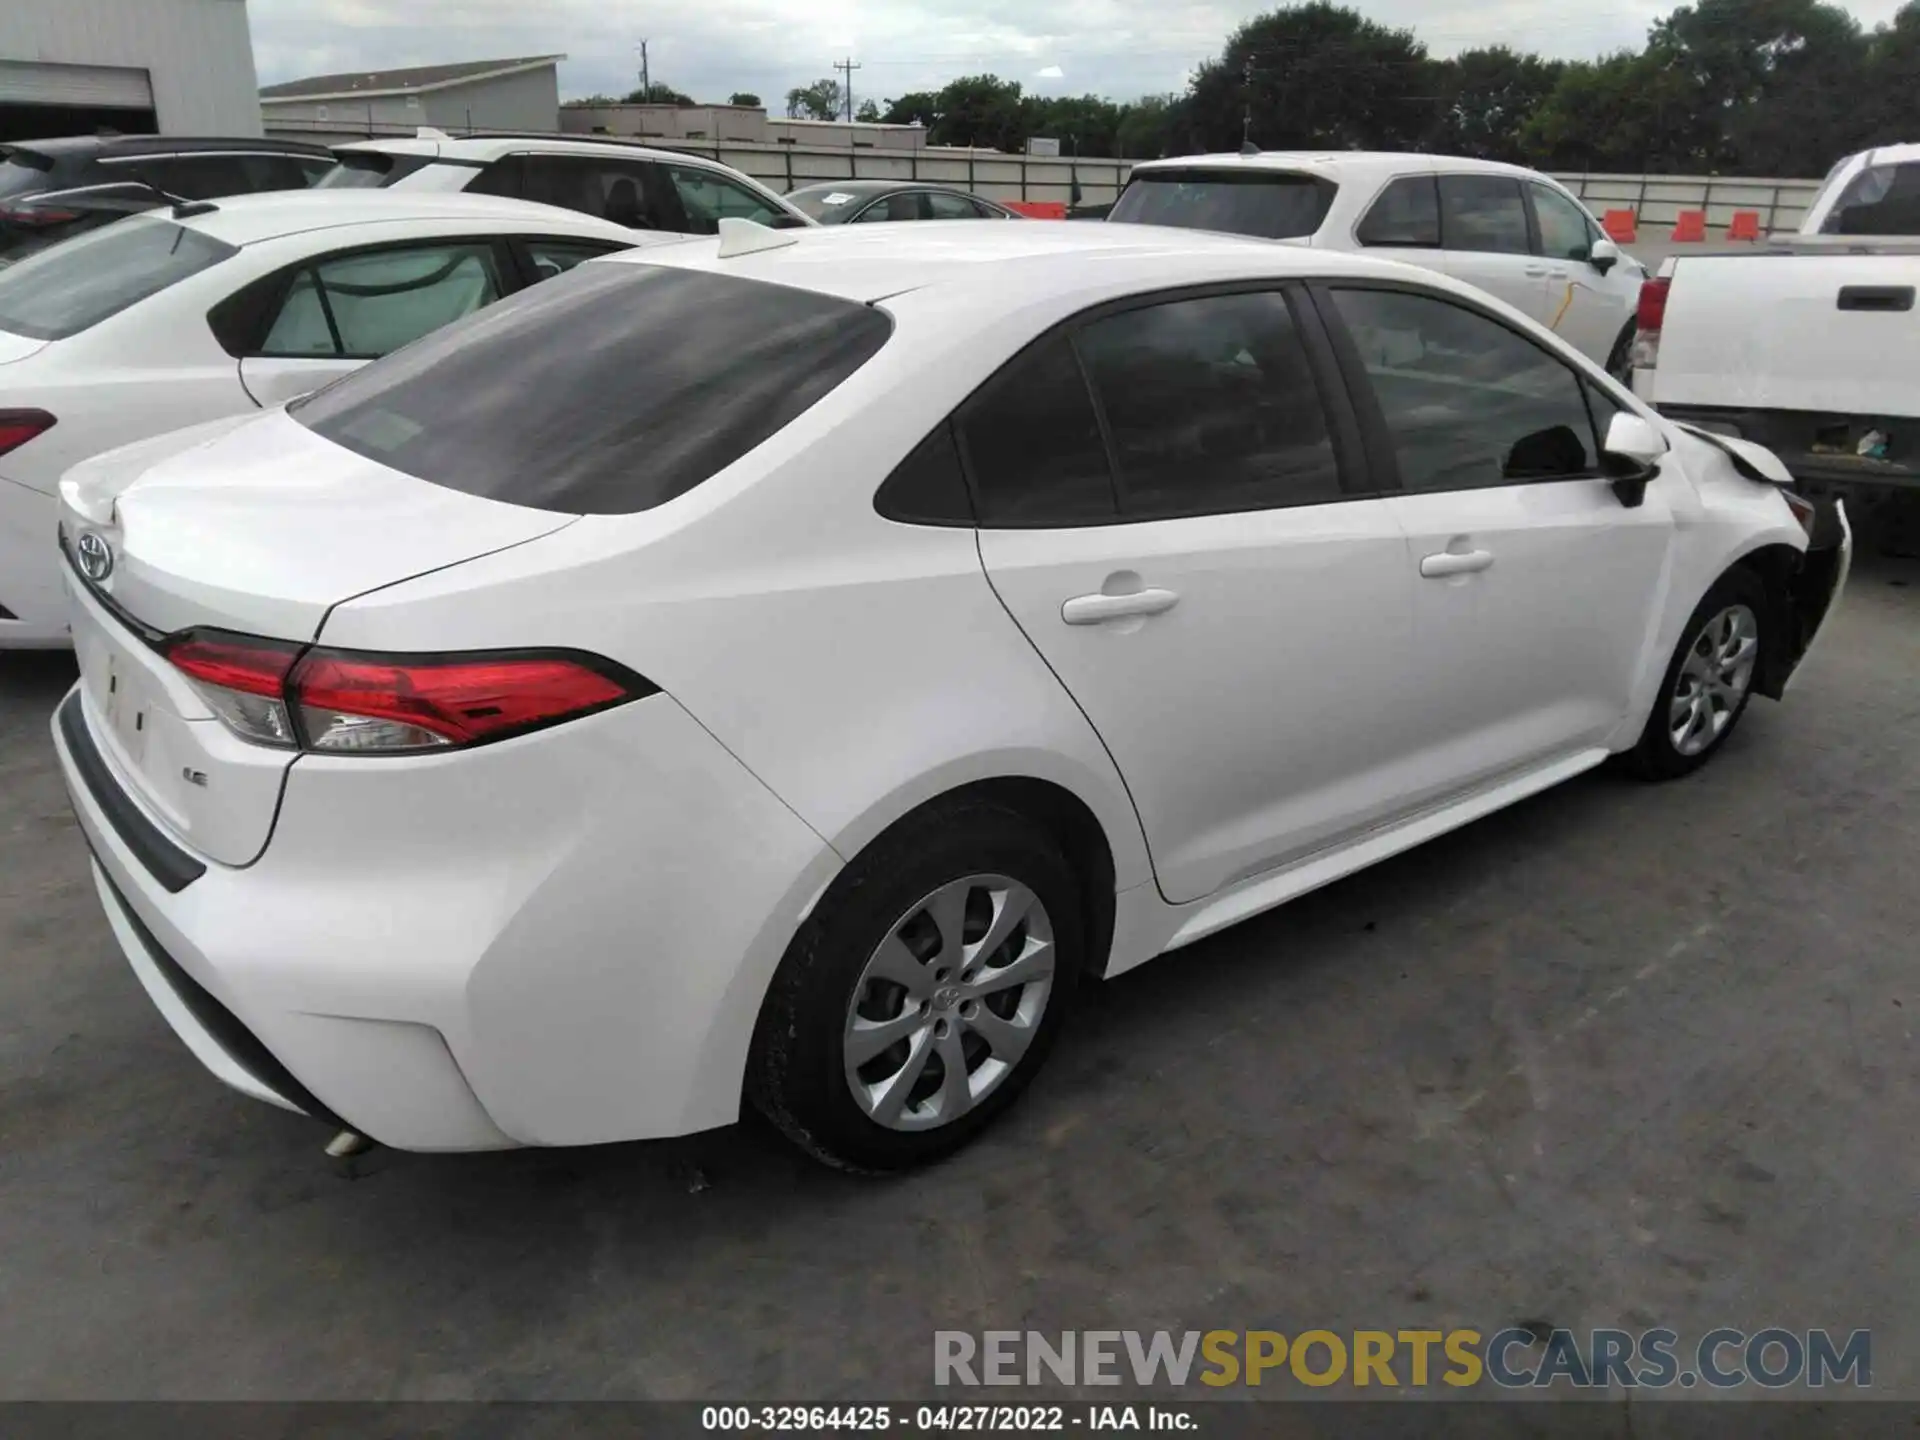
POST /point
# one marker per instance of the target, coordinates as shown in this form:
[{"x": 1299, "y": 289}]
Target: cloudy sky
[{"x": 710, "y": 48}]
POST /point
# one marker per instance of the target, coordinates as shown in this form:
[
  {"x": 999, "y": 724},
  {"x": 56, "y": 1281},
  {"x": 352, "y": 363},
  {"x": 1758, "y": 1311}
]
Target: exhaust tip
[{"x": 348, "y": 1144}]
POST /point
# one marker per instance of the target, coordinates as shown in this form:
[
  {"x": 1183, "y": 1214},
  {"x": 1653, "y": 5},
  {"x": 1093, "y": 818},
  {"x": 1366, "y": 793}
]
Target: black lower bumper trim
[
  {"x": 226, "y": 1028},
  {"x": 173, "y": 867}
]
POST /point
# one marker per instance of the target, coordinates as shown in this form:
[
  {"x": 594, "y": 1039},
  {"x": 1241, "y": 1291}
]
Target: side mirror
[
  {"x": 1632, "y": 455},
  {"x": 1604, "y": 255}
]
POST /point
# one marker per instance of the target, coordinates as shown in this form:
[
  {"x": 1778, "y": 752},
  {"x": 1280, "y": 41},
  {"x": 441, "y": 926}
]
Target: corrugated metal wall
[{"x": 197, "y": 53}]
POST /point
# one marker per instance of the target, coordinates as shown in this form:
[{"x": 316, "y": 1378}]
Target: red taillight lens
[
  {"x": 17, "y": 427},
  {"x": 1803, "y": 511},
  {"x": 378, "y": 704},
  {"x": 243, "y": 681},
  {"x": 37, "y": 215},
  {"x": 1653, "y": 303}
]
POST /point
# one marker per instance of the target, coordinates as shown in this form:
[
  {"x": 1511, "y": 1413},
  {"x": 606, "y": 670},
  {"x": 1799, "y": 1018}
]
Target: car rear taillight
[
  {"x": 17, "y": 427},
  {"x": 243, "y": 681},
  {"x": 35, "y": 216},
  {"x": 343, "y": 702},
  {"x": 1650, "y": 319},
  {"x": 1803, "y": 511}
]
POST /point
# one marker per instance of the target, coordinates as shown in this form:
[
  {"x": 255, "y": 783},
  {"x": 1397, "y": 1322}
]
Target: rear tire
[
  {"x": 1709, "y": 682},
  {"x": 920, "y": 998}
]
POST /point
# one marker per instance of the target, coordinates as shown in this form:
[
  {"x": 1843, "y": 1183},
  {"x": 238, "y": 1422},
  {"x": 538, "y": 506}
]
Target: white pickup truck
[{"x": 1808, "y": 344}]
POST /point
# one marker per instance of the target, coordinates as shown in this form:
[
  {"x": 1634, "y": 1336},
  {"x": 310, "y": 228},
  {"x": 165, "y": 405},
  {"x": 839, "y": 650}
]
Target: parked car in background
[
  {"x": 1805, "y": 344},
  {"x": 53, "y": 189},
  {"x": 783, "y": 667},
  {"x": 1517, "y": 234},
  {"x": 630, "y": 185},
  {"x": 222, "y": 308},
  {"x": 844, "y": 202}
]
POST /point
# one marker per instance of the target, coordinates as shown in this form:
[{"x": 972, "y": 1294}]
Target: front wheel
[
  {"x": 924, "y": 993},
  {"x": 1709, "y": 681}
]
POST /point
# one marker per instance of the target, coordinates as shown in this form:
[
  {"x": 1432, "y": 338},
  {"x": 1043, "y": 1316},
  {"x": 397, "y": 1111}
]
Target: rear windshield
[
  {"x": 367, "y": 170},
  {"x": 75, "y": 285},
  {"x": 22, "y": 172},
  {"x": 609, "y": 390},
  {"x": 1270, "y": 205},
  {"x": 824, "y": 202},
  {"x": 1880, "y": 200}
]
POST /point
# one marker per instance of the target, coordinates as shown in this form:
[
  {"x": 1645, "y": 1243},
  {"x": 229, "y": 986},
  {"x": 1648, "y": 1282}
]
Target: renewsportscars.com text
[{"x": 1510, "y": 1359}]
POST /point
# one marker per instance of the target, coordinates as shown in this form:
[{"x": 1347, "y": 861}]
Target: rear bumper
[
  {"x": 33, "y": 609},
  {"x": 1820, "y": 449},
  {"x": 562, "y": 939}
]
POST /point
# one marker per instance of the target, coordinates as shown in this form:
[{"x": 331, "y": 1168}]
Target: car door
[
  {"x": 1487, "y": 240},
  {"x": 1586, "y": 307},
  {"x": 334, "y": 313},
  {"x": 1171, "y": 505},
  {"x": 1536, "y": 585}
]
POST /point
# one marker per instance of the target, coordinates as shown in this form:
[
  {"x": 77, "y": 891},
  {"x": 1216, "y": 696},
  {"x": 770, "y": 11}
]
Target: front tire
[
  {"x": 1709, "y": 682},
  {"x": 925, "y": 991}
]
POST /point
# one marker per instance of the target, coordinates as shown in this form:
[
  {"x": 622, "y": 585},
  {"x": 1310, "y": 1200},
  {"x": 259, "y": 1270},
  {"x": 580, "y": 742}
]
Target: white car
[
  {"x": 1517, "y": 234},
  {"x": 786, "y": 666},
  {"x": 629, "y": 184},
  {"x": 186, "y": 314}
]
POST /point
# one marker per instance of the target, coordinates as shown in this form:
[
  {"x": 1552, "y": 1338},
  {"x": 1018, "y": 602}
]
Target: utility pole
[
  {"x": 848, "y": 66},
  {"x": 646, "y": 80}
]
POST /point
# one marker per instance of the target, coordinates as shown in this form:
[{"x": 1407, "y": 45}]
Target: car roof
[
  {"x": 1336, "y": 165},
  {"x": 71, "y": 146},
  {"x": 879, "y": 187},
  {"x": 488, "y": 148},
  {"x": 247, "y": 219},
  {"x": 1005, "y": 263}
]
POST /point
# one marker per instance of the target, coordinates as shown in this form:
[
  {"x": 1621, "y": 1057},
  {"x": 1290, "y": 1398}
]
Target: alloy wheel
[
  {"x": 1714, "y": 680},
  {"x": 948, "y": 1002}
]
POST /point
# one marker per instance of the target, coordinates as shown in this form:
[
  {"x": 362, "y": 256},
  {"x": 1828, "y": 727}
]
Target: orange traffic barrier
[
  {"x": 1692, "y": 225},
  {"x": 1037, "y": 209},
  {"x": 1746, "y": 225},
  {"x": 1622, "y": 226}
]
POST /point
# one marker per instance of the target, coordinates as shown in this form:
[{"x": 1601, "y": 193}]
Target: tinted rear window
[
  {"x": 367, "y": 170},
  {"x": 609, "y": 390},
  {"x": 1882, "y": 200},
  {"x": 22, "y": 172},
  {"x": 75, "y": 285},
  {"x": 1270, "y": 205}
]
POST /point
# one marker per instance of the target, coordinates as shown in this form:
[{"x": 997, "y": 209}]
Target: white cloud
[{"x": 1120, "y": 48}]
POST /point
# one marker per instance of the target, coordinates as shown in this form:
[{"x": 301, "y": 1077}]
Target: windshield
[
  {"x": 606, "y": 391},
  {"x": 824, "y": 203},
  {"x": 1880, "y": 200},
  {"x": 75, "y": 285},
  {"x": 1268, "y": 204}
]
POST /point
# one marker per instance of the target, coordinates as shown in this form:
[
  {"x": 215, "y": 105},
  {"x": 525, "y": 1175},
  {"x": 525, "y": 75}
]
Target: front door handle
[
  {"x": 1448, "y": 562},
  {"x": 1098, "y": 609}
]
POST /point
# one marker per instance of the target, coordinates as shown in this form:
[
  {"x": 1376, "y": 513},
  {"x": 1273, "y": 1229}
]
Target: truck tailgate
[{"x": 1793, "y": 331}]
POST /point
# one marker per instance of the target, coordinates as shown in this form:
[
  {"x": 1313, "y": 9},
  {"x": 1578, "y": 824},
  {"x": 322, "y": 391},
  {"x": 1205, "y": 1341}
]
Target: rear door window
[
  {"x": 1267, "y": 204},
  {"x": 1407, "y": 213},
  {"x": 365, "y": 305},
  {"x": 941, "y": 206},
  {"x": 607, "y": 391},
  {"x": 1484, "y": 213},
  {"x": 75, "y": 285},
  {"x": 632, "y": 193},
  {"x": 1212, "y": 407}
]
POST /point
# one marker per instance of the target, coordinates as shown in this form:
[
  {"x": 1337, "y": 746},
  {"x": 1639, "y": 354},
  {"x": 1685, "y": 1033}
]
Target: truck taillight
[
  {"x": 17, "y": 427},
  {"x": 1650, "y": 319},
  {"x": 344, "y": 702}
]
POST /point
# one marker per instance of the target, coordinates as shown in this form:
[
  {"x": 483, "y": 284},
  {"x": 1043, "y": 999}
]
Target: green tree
[
  {"x": 980, "y": 110},
  {"x": 658, "y": 93},
  {"x": 1155, "y": 126},
  {"x": 1626, "y": 113},
  {"x": 1083, "y": 124},
  {"x": 1316, "y": 76},
  {"x": 743, "y": 97},
  {"x": 1893, "y": 80},
  {"x": 1486, "y": 98},
  {"x": 868, "y": 112},
  {"x": 818, "y": 101},
  {"x": 597, "y": 98},
  {"x": 921, "y": 107}
]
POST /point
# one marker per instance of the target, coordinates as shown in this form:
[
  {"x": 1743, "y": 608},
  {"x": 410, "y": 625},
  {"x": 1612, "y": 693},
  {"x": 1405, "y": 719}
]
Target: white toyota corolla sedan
[
  {"x": 785, "y": 665},
  {"x": 188, "y": 313}
]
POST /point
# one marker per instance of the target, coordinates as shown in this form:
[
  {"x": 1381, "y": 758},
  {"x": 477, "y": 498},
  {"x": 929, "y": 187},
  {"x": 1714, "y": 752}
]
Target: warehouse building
[
  {"x": 173, "y": 67},
  {"x": 475, "y": 95}
]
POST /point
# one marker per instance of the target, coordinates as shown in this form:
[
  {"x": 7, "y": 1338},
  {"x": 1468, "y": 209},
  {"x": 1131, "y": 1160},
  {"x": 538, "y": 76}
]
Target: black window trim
[
  {"x": 1379, "y": 438},
  {"x": 1354, "y": 469},
  {"x": 241, "y": 322}
]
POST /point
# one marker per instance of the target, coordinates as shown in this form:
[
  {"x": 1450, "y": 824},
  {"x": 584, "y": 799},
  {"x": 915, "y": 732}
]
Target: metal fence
[{"x": 1655, "y": 199}]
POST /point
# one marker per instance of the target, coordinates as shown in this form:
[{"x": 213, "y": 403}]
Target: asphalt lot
[{"x": 1620, "y": 1056}]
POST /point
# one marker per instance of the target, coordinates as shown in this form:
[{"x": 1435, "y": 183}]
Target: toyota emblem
[{"x": 95, "y": 556}]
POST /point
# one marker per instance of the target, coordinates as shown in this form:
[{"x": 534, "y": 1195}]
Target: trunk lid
[
  {"x": 1800, "y": 330},
  {"x": 18, "y": 347},
  {"x": 252, "y": 525}
]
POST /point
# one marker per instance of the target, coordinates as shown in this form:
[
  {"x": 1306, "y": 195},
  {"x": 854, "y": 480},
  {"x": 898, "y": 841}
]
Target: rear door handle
[
  {"x": 1537, "y": 272},
  {"x": 1098, "y": 609},
  {"x": 1447, "y": 562}
]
